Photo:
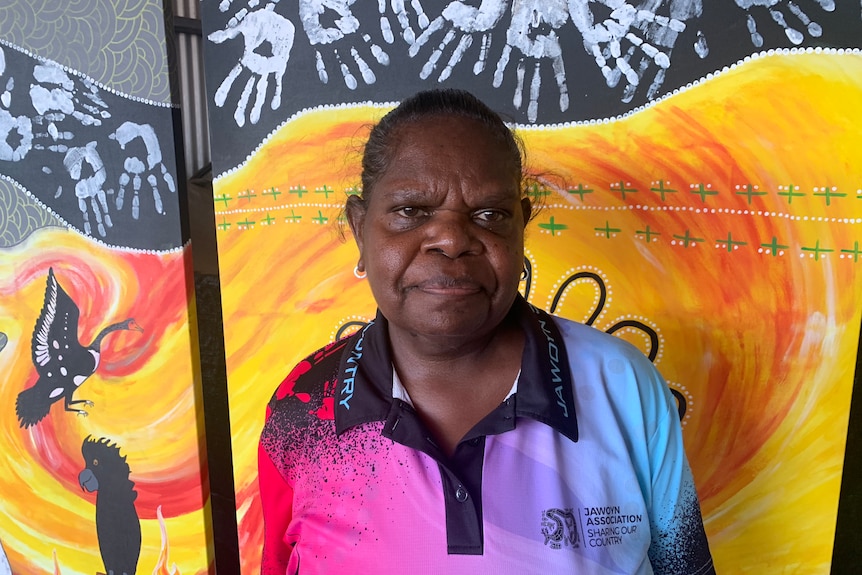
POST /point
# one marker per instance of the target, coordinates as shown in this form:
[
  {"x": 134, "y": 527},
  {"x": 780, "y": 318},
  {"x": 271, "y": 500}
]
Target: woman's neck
[{"x": 454, "y": 385}]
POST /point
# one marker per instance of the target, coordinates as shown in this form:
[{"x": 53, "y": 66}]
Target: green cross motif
[
  {"x": 828, "y": 193},
  {"x": 703, "y": 192},
  {"x": 292, "y": 218},
  {"x": 224, "y": 225},
  {"x": 273, "y": 191},
  {"x": 353, "y": 191},
  {"x": 660, "y": 189},
  {"x": 298, "y": 190},
  {"x": 774, "y": 246},
  {"x": 320, "y": 218},
  {"x": 817, "y": 250},
  {"x": 553, "y": 227},
  {"x": 247, "y": 223},
  {"x": 647, "y": 234},
  {"x": 622, "y": 189},
  {"x": 535, "y": 192},
  {"x": 687, "y": 240},
  {"x": 730, "y": 242},
  {"x": 581, "y": 191},
  {"x": 325, "y": 190},
  {"x": 224, "y": 198},
  {"x": 268, "y": 220},
  {"x": 608, "y": 230},
  {"x": 248, "y": 195},
  {"x": 749, "y": 193},
  {"x": 789, "y": 193},
  {"x": 855, "y": 252}
]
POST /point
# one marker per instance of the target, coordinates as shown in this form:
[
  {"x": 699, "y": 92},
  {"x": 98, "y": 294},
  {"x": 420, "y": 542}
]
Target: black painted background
[
  {"x": 42, "y": 172},
  {"x": 722, "y": 23}
]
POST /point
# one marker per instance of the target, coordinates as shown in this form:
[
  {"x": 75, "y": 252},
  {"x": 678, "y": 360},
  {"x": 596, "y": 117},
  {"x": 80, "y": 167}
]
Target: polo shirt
[{"x": 580, "y": 470}]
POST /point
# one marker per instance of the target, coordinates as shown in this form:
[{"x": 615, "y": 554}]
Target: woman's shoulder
[
  {"x": 314, "y": 376},
  {"x": 617, "y": 365},
  {"x": 587, "y": 340}
]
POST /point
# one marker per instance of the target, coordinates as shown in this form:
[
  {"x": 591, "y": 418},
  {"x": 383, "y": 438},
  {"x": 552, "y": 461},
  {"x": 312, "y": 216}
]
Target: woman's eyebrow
[
  {"x": 408, "y": 191},
  {"x": 408, "y": 194}
]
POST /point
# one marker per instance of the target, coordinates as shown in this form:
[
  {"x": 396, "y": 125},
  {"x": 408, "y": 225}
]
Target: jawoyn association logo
[{"x": 559, "y": 528}]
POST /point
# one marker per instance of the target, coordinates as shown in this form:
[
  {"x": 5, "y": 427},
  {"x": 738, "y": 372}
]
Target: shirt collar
[{"x": 544, "y": 391}]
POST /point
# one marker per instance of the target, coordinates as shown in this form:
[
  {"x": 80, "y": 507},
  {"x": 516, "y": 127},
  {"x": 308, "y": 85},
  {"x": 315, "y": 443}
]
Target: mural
[
  {"x": 701, "y": 186},
  {"x": 104, "y": 469},
  {"x": 537, "y": 62}
]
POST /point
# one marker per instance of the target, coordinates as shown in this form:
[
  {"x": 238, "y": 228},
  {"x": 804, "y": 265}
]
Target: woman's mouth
[{"x": 448, "y": 286}]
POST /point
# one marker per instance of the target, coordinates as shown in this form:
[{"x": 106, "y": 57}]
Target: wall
[
  {"x": 102, "y": 441},
  {"x": 702, "y": 185}
]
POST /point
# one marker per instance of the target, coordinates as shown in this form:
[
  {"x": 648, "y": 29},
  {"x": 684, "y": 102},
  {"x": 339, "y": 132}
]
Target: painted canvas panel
[
  {"x": 700, "y": 175},
  {"x": 104, "y": 470}
]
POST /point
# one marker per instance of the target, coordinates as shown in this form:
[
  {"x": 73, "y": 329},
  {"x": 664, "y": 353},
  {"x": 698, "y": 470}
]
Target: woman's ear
[
  {"x": 356, "y": 211},
  {"x": 527, "y": 209}
]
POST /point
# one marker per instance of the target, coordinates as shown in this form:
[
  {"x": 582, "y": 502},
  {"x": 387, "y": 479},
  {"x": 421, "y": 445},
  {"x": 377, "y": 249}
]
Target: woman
[{"x": 463, "y": 430}]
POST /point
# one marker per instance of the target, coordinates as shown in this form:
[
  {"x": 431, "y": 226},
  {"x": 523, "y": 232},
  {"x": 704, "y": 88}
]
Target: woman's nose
[{"x": 451, "y": 234}]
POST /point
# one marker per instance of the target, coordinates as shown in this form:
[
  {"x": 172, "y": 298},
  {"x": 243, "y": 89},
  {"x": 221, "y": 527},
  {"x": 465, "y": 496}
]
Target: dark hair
[{"x": 440, "y": 102}]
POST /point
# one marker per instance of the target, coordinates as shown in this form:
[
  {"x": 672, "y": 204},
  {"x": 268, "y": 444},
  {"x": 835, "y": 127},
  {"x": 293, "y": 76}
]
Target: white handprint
[
  {"x": 467, "y": 21},
  {"x": 16, "y": 132},
  {"x": 59, "y": 95},
  {"x": 134, "y": 167},
  {"x": 89, "y": 188},
  {"x": 400, "y": 9},
  {"x": 529, "y": 32},
  {"x": 260, "y": 29},
  {"x": 772, "y": 6},
  {"x": 630, "y": 33},
  {"x": 343, "y": 32},
  {"x": 56, "y": 98}
]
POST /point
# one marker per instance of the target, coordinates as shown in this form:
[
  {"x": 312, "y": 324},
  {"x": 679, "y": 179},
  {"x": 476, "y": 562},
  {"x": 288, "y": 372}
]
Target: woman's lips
[{"x": 449, "y": 286}]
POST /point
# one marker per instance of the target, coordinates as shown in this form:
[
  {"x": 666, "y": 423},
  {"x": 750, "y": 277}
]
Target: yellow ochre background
[{"x": 726, "y": 217}]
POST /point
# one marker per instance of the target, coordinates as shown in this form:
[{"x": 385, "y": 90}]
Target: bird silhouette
[
  {"x": 118, "y": 526},
  {"x": 62, "y": 363}
]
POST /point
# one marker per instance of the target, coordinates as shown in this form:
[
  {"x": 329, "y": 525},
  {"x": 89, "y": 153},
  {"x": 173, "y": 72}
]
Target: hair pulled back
[{"x": 383, "y": 139}]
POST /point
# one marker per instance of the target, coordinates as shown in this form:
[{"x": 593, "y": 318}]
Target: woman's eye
[
  {"x": 489, "y": 216},
  {"x": 410, "y": 212}
]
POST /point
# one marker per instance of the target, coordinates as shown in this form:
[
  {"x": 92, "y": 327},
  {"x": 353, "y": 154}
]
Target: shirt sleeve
[
  {"x": 679, "y": 545},
  {"x": 276, "y": 498}
]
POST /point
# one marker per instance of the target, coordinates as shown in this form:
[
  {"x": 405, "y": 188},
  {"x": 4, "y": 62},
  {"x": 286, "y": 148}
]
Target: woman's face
[{"x": 442, "y": 233}]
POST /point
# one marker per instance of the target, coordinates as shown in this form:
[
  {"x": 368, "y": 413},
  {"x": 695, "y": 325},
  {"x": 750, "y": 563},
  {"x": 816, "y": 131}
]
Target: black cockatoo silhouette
[
  {"x": 62, "y": 363},
  {"x": 117, "y": 524}
]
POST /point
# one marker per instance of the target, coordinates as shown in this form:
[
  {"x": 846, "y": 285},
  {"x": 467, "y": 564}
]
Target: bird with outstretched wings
[{"x": 63, "y": 364}]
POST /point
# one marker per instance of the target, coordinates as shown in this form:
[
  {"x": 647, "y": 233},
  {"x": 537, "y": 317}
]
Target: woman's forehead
[
  {"x": 442, "y": 153},
  {"x": 452, "y": 140}
]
